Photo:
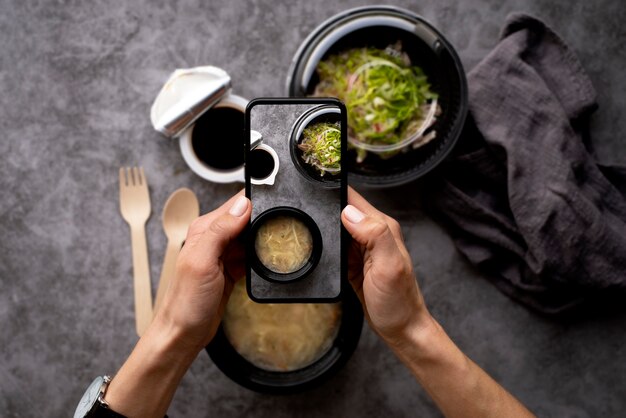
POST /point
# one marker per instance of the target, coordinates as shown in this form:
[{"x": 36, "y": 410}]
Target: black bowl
[
  {"x": 381, "y": 26},
  {"x": 319, "y": 114},
  {"x": 241, "y": 371},
  {"x": 311, "y": 263}
]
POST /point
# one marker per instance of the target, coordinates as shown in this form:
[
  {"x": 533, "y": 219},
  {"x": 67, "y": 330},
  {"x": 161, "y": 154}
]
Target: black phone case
[{"x": 276, "y": 119}]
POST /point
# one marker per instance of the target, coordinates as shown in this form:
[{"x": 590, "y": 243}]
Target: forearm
[
  {"x": 146, "y": 383},
  {"x": 457, "y": 385}
]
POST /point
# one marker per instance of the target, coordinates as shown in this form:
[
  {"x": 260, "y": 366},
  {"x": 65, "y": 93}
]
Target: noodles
[
  {"x": 279, "y": 337},
  {"x": 283, "y": 244},
  {"x": 321, "y": 147}
]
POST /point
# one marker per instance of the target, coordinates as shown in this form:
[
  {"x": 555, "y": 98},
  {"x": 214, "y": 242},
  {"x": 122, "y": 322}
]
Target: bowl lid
[{"x": 186, "y": 95}]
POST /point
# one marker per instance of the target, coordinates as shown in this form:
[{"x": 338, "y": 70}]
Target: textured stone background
[{"x": 76, "y": 82}]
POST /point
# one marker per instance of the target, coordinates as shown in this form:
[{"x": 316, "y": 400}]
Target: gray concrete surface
[{"x": 76, "y": 82}]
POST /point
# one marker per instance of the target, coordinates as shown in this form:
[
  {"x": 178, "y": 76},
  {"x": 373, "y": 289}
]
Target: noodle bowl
[
  {"x": 283, "y": 244},
  {"x": 279, "y": 337}
]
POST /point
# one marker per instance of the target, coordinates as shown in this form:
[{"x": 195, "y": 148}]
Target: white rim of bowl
[
  {"x": 269, "y": 180},
  {"x": 200, "y": 168}
]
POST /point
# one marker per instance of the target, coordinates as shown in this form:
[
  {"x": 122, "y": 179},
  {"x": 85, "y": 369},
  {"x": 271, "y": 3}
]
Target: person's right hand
[{"x": 381, "y": 272}]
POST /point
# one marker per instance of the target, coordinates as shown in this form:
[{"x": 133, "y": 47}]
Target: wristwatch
[{"x": 92, "y": 404}]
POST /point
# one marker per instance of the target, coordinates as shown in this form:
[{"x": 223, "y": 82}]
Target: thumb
[
  {"x": 371, "y": 232},
  {"x": 222, "y": 229}
]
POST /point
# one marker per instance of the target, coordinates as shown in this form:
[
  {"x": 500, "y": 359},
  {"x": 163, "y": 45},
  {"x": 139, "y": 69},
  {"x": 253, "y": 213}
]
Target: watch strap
[
  {"x": 101, "y": 408},
  {"x": 101, "y": 411}
]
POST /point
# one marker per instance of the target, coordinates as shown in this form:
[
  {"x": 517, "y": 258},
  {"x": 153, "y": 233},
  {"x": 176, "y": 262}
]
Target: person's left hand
[{"x": 209, "y": 263}]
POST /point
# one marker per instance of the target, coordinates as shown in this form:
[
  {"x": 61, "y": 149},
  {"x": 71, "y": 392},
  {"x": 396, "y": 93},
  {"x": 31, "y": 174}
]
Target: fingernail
[
  {"x": 353, "y": 214},
  {"x": 239, "y": 207}
]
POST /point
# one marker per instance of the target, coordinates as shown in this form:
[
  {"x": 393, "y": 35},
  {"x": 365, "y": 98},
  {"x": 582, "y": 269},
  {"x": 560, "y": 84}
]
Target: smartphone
[{"x": 296, "y": 246}]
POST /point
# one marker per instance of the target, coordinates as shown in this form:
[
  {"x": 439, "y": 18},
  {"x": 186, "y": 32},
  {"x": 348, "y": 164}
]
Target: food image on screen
[
  {"x": 279, "y": 337},
  {"x": 321, "y": 147},
  {"x": 389, "y": 100},
  {"x": 283, "y": 244}
]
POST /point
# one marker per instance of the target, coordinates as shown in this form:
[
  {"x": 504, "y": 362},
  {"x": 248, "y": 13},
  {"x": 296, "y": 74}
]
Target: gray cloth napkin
[{"x": 524, "y": 199}]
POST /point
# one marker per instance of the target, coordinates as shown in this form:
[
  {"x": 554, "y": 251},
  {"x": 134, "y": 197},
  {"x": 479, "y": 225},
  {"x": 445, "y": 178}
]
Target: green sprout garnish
[
  {"x": 385, "y": 96},
  {"x": 321, "y": 147}
]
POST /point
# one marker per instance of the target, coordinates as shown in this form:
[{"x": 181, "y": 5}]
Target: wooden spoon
[{"x": 179, "y": 211}]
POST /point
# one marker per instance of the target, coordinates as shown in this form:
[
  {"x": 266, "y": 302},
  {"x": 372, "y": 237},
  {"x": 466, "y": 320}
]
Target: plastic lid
[{"x": 186, "y": 95}]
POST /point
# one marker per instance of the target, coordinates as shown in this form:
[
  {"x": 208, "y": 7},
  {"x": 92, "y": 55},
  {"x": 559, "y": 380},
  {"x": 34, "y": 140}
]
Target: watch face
[{"x": 89, "y": 398}]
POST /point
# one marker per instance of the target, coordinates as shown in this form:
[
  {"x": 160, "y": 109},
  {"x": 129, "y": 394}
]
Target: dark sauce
[
  {"x": 260, "y": 164},
  {"x": 217, "y": 138}
]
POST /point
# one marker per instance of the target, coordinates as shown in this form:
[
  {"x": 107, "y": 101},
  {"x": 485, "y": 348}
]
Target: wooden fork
[{"x": 135, "y": 208}]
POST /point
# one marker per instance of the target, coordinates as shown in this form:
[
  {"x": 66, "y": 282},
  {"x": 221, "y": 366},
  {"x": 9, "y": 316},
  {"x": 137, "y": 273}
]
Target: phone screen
[{"x": 295, "y": 243}]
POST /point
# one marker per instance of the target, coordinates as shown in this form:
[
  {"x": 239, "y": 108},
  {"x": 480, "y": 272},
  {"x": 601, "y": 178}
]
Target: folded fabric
[{"x": 524, "y": 199}]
